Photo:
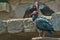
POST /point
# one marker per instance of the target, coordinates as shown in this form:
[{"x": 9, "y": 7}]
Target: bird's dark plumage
[
  {"x": 46, "y": 10},
  {"x": 42, "y": 24},
  {"x": 29, "y": 10}
]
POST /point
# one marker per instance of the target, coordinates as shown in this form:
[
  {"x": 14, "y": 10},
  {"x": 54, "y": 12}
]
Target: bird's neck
[{"x": 35, "y": 17}]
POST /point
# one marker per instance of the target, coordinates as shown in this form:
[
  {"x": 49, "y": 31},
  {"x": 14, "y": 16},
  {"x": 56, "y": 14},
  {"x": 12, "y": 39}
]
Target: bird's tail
[{"x": 51, "y": 32}]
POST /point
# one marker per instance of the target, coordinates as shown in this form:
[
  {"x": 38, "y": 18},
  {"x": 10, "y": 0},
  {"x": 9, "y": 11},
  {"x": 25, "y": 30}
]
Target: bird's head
[{"x": 34, "y": 15}]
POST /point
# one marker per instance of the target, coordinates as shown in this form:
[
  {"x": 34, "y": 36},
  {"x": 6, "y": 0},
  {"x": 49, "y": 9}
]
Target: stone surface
[
  {"x": 45, "y": 38},
  {"x": 4, "y": 7},
  {"x": 17, "y": 25},
  {"x": 4, "y": 15},
  {"x": 2, "y": 27},
  {"x": 56, "y": 21}
]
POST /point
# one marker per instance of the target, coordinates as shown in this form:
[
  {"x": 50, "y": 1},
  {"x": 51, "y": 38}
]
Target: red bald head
[{"x": 33, "y": 13}]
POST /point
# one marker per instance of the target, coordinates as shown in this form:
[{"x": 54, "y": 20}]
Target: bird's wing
[
  {"x": 46, "y": 10},
  {"x": 42, "y": 23},
  {"x": 48, "y": 26},
  {"x": 39, "y": 23}
]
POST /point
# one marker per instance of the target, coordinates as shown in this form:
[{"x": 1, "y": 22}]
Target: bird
[
  {"x": 42, "y": 24},
  {"x": 43, "y": 8},
  {"x": 30, "y": 9}
]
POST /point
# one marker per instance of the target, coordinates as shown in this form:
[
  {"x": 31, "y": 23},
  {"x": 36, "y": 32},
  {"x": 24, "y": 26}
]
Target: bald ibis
[
  {"x": 45, "y": 10},
  {"x": 42, "y": 23}
]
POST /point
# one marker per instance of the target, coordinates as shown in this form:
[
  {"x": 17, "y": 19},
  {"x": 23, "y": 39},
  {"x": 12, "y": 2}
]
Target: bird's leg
[
  {"x": 39, "y": 34},
  {"x": 43, "y": 34}
]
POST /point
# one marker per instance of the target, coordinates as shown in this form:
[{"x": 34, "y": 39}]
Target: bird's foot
[{"x": 39, "y": 35}]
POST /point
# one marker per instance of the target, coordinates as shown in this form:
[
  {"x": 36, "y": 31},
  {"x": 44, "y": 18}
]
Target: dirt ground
[{"x": 23, "y": 35}]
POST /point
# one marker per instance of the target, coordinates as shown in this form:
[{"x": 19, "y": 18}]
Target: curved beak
[{"x": 33, "y": 13}]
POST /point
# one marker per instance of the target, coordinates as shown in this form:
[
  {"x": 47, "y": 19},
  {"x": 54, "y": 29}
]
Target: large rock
[
  {"x": 2, "y": 27},
  {"x": 56, "y": 21},
  {"x": 15, "y": 26},
  {"x": 29, "y": 26},
  {"x": 4, "y": 6},
  {"x": 4, "y": 15}
]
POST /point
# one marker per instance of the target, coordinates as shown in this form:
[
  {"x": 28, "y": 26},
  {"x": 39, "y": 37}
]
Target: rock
[
  {"x": 56, "y": 21},
  {"x": 17, "y": 25},
  {"x": 45, "y": 38},
  {"x": 2, "y": 27}
]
